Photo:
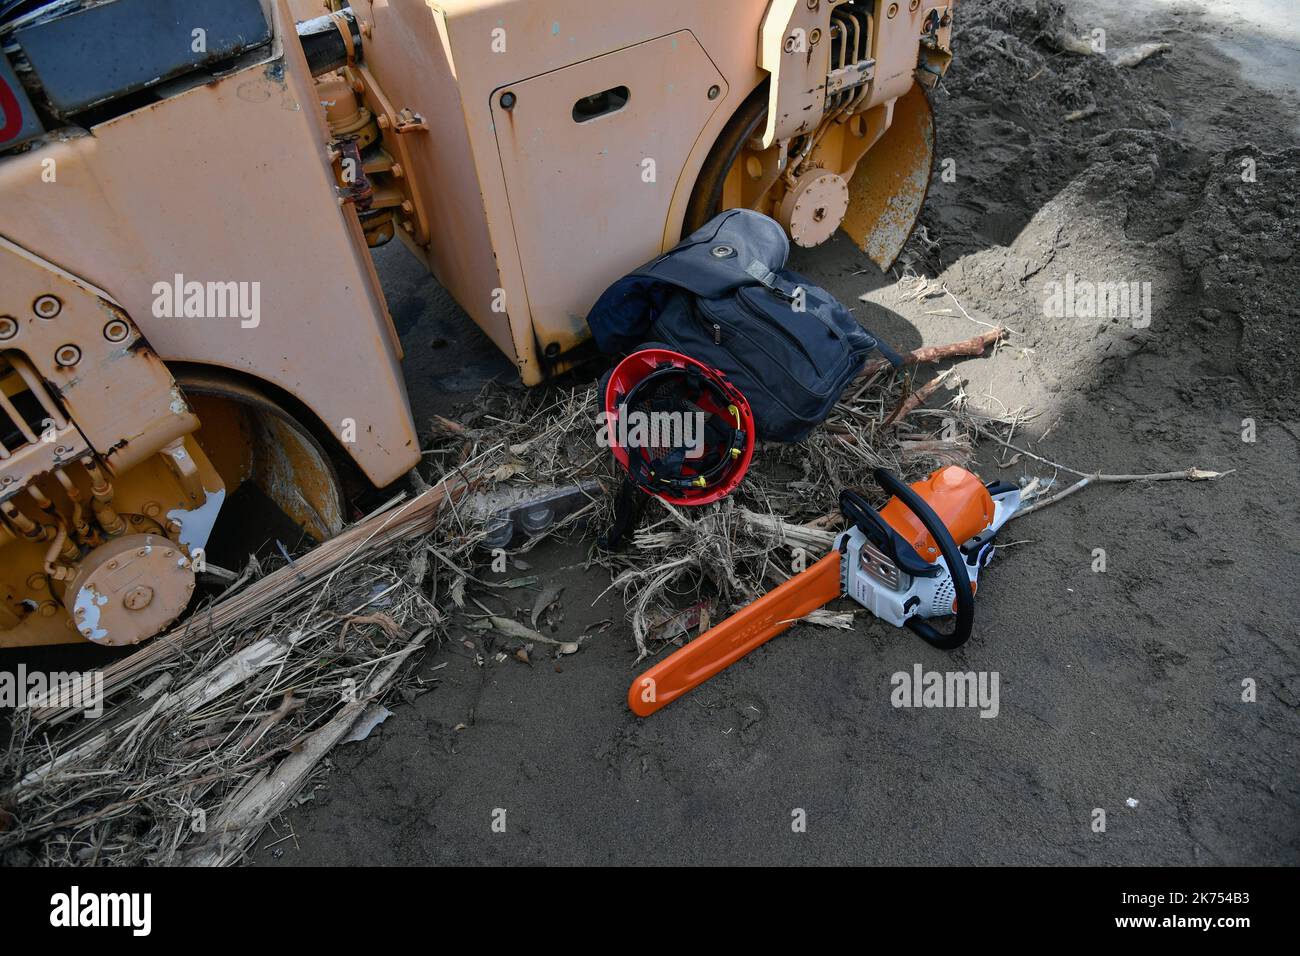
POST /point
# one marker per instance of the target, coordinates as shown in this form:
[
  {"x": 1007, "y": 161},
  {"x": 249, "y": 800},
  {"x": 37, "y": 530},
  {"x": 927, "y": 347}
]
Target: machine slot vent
[{"x": 600, "y": 104}]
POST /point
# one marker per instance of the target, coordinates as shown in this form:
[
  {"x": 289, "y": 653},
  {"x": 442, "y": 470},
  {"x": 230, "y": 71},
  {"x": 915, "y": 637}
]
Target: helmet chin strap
[{"x": 627, "y": 515}]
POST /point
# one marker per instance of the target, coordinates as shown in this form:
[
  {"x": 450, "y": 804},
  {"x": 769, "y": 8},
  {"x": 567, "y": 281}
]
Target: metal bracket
[
  {"x": 510, "y": 523},
  {"x": 851, "y": 76},
  {"x": 409, "y": 121}
]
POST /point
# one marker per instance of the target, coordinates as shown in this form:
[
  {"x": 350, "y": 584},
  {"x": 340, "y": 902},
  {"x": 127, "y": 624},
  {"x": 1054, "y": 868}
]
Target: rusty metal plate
[{"x": 891, "y": 181}]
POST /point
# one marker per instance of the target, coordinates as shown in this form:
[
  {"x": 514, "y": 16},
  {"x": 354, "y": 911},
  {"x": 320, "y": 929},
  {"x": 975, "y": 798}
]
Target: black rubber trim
[
  {"x": 996, "y": 488},
  {"x": 706, "y": 196},
  {"x": 951, "y": 555}
]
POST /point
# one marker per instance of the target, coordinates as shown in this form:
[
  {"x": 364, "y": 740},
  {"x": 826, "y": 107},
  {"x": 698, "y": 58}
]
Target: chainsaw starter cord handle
[{"x": 951, "y": 555}]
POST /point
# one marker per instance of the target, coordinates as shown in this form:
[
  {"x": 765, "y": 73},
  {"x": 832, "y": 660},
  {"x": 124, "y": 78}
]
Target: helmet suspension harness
[{"x": 679, "y": 429}]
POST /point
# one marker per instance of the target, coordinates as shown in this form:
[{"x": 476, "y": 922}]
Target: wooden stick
[
  {"x": 1044, "y": 502},
  {"x": 813, "y": 539},
  {"x": 1086, "y": 479},
  {"x": 406, "y": 519},
  {"x": 906, "y": 406},
  {"x": 288, "y": 704},
  {"x": 975, "y": 345},
  {"x": 1184, "y": 474}
]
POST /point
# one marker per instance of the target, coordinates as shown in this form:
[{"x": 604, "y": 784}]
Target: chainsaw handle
[{"x": 951, "y": 556}]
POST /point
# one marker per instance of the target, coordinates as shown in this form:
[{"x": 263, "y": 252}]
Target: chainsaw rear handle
[{"x": 951, "y": 555}]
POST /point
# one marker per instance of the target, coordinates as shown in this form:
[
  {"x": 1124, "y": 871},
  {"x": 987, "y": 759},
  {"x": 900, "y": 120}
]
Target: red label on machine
[{"x": 18, "y": 122}]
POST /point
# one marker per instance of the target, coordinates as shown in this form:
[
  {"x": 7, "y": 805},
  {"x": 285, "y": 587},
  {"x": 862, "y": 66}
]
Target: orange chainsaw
[{"x": 918, "y": 557}]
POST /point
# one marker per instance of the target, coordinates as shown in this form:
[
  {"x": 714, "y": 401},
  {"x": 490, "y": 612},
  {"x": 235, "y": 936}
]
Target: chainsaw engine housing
[{"x": 903, "y": 575}]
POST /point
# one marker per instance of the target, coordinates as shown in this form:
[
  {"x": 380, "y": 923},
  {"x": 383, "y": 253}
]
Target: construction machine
[{"x": 189, "y": 190}]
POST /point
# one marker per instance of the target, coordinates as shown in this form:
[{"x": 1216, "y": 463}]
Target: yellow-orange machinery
[{"x": 188, "y": 191}]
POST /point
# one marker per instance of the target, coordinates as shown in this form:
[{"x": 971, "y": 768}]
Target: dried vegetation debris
[
  {"x": 685, "y": 568},
  {"x": 209, "y": 731}
]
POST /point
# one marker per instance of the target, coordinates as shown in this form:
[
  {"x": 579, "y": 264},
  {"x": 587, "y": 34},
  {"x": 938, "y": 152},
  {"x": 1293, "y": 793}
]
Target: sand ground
[{"x": 1120, "y": 690}]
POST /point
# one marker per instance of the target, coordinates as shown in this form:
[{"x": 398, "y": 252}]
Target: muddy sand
[{"x": 1120, "y": 690}]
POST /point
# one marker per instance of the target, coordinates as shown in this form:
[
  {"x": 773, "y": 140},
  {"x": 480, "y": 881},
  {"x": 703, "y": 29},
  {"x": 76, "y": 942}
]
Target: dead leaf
[
  {"x": 382, "y": 620},
  {"x": 446, "y": 426},
  {"x": 823, "y": 618},
  {"x": 373, "y": 716},
  {"x": 676, "y": 623},
  {"x": 419, "y": 565},
  {"x": 522, "y": 632},
  {"x": 519, "y": 582},
  {"x": 1132, "y": 56},
  {"x": 506, "y": 470},
  {"x": 544, "y": 600}
]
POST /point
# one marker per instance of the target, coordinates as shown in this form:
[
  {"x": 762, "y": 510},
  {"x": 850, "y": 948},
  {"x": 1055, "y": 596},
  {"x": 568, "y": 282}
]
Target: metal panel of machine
[
  {"x": 590, "y": 171},
  {"x": 102, "y": 52}
]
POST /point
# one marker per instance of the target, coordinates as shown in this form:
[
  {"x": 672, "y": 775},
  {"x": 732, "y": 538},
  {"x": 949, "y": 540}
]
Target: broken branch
[
  {"x": 966, "y": 348},
  {"x": 909, "y": 404}
]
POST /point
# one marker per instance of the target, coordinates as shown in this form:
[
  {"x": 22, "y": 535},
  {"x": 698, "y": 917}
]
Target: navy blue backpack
[{"x": 724, "y": 297}]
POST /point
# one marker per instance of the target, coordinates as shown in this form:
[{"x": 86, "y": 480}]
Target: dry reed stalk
[{"x": 403, "y": 520}]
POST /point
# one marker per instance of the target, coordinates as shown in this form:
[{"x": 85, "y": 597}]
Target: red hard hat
[{"x": 697, "y": 452}]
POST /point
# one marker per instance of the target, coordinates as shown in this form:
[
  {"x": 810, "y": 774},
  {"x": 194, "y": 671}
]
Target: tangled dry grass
[
  {"x": 685, "y": 567},
  {"x": 147, "y": 791}
]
